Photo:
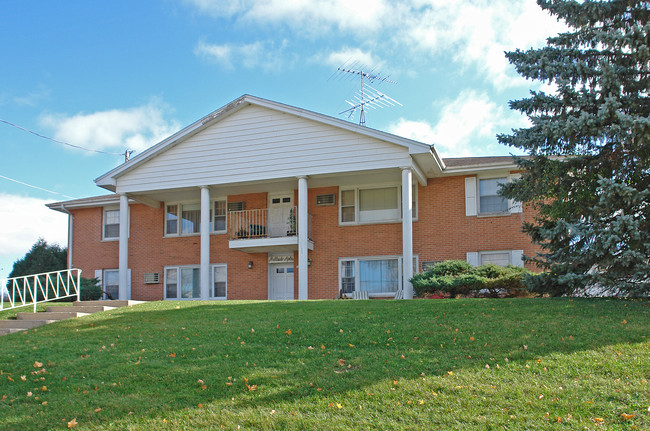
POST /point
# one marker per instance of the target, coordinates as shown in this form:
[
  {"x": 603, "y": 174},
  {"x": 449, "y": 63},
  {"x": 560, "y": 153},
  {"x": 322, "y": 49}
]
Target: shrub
[
  {"x": 456, "y": 277},
  {"x": 90, "y": 289}
]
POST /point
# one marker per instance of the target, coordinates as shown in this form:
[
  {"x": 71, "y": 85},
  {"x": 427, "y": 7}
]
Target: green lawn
[{"x": 474, "y": 364}]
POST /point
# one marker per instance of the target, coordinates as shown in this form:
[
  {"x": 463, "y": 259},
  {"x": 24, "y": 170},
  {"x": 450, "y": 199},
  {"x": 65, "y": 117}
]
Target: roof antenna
[{"x": 367, "y": 96}]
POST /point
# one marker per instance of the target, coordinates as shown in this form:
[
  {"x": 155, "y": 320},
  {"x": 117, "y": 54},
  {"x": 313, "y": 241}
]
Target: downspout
[{"x": 70, "y": 226}]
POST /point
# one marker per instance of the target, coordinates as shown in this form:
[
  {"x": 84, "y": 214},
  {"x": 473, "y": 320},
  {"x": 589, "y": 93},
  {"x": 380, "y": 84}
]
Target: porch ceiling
[{"x": 392, "y": 175}]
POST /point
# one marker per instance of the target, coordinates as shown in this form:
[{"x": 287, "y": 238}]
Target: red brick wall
[{"x": 441, "y": 232}]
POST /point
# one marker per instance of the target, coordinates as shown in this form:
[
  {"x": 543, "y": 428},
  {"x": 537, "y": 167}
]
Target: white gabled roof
[{"x": 109, "y": 182}]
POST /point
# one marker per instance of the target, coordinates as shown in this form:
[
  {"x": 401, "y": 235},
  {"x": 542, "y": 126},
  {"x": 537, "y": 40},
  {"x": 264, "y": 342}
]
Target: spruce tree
[{"x": 588, "y": 166}]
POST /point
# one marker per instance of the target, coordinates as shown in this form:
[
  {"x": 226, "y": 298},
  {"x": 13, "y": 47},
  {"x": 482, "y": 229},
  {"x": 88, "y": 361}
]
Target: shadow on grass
[{"x": 169, "y": 356}]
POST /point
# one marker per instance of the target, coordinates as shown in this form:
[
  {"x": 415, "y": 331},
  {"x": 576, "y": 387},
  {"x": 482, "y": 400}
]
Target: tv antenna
[{"x": 367, "y": 96}]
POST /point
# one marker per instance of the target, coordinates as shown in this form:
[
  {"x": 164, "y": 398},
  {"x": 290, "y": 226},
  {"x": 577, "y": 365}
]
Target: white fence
[{"x": 35, "y": 288}]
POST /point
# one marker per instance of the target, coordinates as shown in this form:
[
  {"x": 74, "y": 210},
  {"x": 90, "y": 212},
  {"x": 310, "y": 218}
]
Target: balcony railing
[{"x": 264, "y": 223}]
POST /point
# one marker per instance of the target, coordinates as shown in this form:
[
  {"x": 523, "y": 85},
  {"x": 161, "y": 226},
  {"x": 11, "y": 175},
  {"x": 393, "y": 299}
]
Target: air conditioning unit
[
  {"x": 152, "y": 278},
  {"x": 323, "y": 200}
]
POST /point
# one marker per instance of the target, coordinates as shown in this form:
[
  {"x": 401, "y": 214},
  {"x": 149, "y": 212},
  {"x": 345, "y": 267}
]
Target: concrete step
[
  {"x": 5, "y": 331},
  {"x": 51, "y": 315},
  {"x": 109, "y": 303},
  {"x": 79, "y": 309},
  {"x": 24, "y": 324}
]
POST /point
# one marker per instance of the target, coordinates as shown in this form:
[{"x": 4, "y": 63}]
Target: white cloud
[
  {"x": 475, "y": 32},
  {"x": 467, "y": 126},
  {"x": 346, "y": 56},
  {"x": 25, "y": 219},
  {"x": 309, "y": 16},
  {"x": 134, "y": 129},
  {"x": 264, "y": 54}
]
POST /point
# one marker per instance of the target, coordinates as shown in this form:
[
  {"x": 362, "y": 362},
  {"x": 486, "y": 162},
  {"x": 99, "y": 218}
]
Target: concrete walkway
[{"x": 28, "y": 320}]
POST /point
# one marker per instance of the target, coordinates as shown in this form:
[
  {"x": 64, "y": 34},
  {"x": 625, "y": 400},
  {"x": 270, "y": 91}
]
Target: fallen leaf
[
  {"x": 38, "y": 364},
  {"x": 23, "y": 378},
  {"x": 43, "y": 388},
  {"x": 624, "y": 322},
  {"x": 200, "y": 405},
  {"x": 599, "y": 420},
  {"x": 204, "y": 387},
  {"x": 288, "y": 332},
  {"x": 339, "y": 406},
  {"x": 626, "y": 417},
  {"x": 98, "y": 409},
  {"x": 72, "y": 423},
  {"x": 172, "y": 355}
]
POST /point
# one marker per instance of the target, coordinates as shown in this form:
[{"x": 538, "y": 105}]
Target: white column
[
  {"x": 123, "y": 273},
  {"x": 205, "y": 242},
  {"x": 407, "y": 231},
  {"x": 303, "y": 239}
]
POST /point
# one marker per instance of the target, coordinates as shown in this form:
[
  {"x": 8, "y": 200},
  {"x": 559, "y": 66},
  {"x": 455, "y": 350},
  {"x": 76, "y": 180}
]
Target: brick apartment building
[{"x": 260, "y": 200}]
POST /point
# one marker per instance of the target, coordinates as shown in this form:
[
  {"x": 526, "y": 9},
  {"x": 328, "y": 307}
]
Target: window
[
  {"x": 489, "y": 200},
  {"x": 235, "y": 206},
  {"x": 347, "y": 276},
  {"x": 497, "y": 258},
  {"x": 219, "y": 217},
  {"x": 111, "y": 224},
  {"x": 184, "y": 282},
  {"x": 111, "y": 284},
  {"x": 347, "y": 206},
  {"x": 371, "y": 205},
  {"x": 219, "y": 280},
  {"x": 375, "y": 275},
  {"x": 190, "y": 218},
  {"x": 500, "y": 257},
  {"x": 185, "y": 219},
  {"x": 171, "y": 220},
  {"x": 481, "y": 197}
]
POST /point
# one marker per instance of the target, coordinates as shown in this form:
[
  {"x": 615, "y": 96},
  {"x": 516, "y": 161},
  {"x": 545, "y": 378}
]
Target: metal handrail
[{"x": 24, "y": 290}]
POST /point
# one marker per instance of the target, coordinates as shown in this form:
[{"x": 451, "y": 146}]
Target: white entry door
[
  {"x": 282, "y": 218},
  {"x": 281, "y": 281}
]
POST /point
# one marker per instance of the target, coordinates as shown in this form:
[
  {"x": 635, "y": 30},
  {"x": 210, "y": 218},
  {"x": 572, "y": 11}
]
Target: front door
[
  {"x": 281, "y": 281},
  {"x": 281, "y": 215}
]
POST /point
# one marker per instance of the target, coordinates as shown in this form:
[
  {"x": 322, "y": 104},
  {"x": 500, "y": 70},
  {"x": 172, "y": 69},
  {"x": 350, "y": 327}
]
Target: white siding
[{"x": 256, "y": 143}]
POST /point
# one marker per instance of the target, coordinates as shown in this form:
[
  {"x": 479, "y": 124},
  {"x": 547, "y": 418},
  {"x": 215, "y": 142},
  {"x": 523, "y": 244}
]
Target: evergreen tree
[
  {"x": 42, "y": 257},
  {"x": 588, "y": 166}
]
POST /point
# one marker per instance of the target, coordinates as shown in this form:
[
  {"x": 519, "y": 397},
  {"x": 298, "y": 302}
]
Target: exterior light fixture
[{"x": 250, "y": 264}]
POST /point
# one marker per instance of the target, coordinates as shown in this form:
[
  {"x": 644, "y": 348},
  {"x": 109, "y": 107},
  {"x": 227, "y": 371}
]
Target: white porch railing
[
  {"x": 35, "y": 288},
  {"x": 264, "y": 223}
]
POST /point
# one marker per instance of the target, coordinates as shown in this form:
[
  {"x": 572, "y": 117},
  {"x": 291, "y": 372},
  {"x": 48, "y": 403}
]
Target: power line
[
  {"x": 35, "y": 187},
  {"x": 59, "y": 142}
]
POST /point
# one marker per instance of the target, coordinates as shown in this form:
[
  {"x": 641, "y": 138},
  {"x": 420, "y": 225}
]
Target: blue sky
[{"x": 119, "y": 75}]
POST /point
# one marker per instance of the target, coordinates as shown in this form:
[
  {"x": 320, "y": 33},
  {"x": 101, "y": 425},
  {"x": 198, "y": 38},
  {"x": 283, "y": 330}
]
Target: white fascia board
[
  {"x": 479, "y": 168},
  {"x": 99, "y": 201}
]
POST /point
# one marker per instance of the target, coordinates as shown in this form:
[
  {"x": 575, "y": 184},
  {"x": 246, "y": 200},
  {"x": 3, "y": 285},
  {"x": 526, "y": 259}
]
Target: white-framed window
[
  {"x": 496, "y": 257},
  {"x": 111, "y": 224},
  {"x": 111, "y": 284},
  {"x": 377, "y": 275},
  {"x": 489, "y": 200},
  {"x": 482, "y": 198},
  {"x": 373, "y": 204},
  {"x": 184, "y": 282},
  {"x": 185, "y": 218}
]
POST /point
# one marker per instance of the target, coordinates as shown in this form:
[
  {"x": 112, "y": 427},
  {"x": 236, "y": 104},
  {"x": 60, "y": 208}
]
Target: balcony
[{"x": 265, "y": 230}]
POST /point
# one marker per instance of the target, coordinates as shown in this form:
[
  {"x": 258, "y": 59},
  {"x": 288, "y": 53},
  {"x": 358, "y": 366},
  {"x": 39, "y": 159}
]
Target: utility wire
[
  {"x": 35, "y": 187},
  {"x": 58, "y": 142}
]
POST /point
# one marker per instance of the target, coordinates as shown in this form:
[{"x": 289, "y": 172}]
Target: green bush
[
  {"x": 456, "y": 277},
  {"x": 90, "y": 289}
]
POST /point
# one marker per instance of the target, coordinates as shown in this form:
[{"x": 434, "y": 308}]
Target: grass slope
[{"x": 337, "y": 365}]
